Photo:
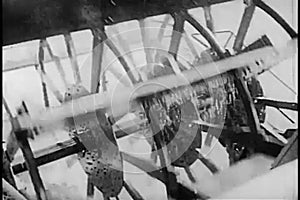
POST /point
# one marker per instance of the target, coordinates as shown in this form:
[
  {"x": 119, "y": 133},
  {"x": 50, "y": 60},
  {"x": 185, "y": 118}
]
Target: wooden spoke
[
  {"x": 98, "y": 49},
  {"x": 135, "y": 195},
  {"x": 46, "y": 81},
  {"x": 240, "y": 83},
  {"x": 32, "y": 166},
  {"x": 122, "y": 43},
  {"x": 177, "y": 32},
  {"x": 211, "y": 166},
  {"x": 72, "y": 55},
  {"x": 209, "y": 18},
  {"x": 163, "y": 154},
  {"x": 102, "y": 35},
  {"x": 42, "y": 71},
  {"x": 244, "y": 26},
  {"x": 163, "y": 27},
  {"x": 189, "y": 174},
  {"x": 147, "y": 48},
  {"x": 90, "y": 189},
  {"x": 58, "y": 64}
]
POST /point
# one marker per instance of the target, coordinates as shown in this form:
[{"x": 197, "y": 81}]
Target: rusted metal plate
[{"x": 102, "y": 160}]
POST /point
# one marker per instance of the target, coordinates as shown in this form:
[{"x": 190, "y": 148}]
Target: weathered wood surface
[{"x": 35, "y": 19}]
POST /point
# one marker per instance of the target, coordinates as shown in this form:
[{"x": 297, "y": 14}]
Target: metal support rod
[
  {"x": 178, "y": 29},
  {"x": 40, "y": 191},
  {"x": 206, "y": 34},
  {"x": 72, "y": 55},
  {"x": 277, "y": 104},
  {"x": 243, "y": 28},
  {"x": 276, "y": 17},
  {"x": 97, "y": 57}
]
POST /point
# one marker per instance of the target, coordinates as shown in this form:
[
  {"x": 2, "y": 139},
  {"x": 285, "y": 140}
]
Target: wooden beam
[
  {"x": 72, "y": 55},
  {"x": 178, "y": 29},
  {"x": 102, "y": 35},
  {"x": 97, "y": 58},
  {"x": 34, "y": 19},
  {"x": 243, "y": 28},
  {"x": 164, "y": 157},
  {"x": 258, "y": 61},
  {"x": 208, "y": 18},
  {"x": 39, "y": 188}
]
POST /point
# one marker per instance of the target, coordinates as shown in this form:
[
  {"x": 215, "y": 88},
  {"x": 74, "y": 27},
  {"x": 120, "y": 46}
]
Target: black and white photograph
[{"x": 149, "y": 99}]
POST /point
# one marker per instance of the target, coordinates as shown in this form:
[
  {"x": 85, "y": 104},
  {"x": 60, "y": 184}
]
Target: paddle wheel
[{"x": 192, "y": 91}]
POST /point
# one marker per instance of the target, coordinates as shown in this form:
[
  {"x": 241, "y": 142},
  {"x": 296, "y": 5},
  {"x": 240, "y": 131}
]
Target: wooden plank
[{"x": 258, "y": 61}]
